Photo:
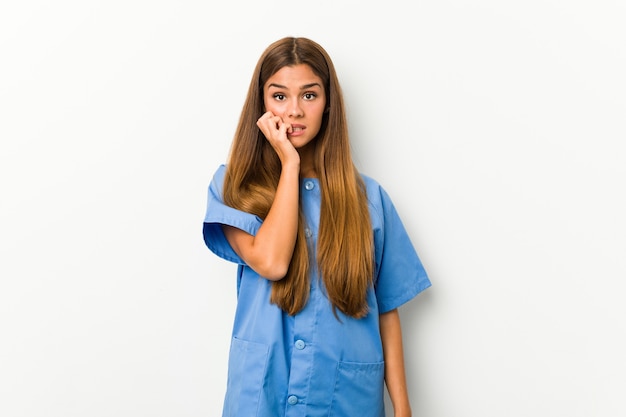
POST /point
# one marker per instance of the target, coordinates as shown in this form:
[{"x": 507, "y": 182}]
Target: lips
[{"x": 297, "y": 129}]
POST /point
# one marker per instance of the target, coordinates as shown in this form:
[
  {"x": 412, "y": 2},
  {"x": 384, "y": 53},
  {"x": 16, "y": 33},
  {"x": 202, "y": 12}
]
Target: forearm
[
  {"x": 395, "y": 377},
  {"x": 269, "y": 252},
  {"x": 275, "y": 240}
]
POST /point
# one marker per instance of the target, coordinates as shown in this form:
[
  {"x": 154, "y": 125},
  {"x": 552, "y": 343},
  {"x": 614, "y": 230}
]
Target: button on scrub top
[{"x": 311, "y": 364}]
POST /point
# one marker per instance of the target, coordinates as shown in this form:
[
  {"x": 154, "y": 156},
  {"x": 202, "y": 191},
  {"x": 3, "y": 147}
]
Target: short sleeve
[
  {"x": 400, "y": 273},
  {"x": 218, "y": 214}
]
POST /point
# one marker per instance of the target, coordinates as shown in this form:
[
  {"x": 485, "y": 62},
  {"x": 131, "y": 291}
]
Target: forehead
[{"x": 295, "y": 76}]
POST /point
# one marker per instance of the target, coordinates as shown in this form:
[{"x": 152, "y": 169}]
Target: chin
[{"x": 300, "y": 143}]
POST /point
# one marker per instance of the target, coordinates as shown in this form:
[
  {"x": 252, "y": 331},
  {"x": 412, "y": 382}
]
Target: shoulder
[
  {"x": 378, "y": 199},
  {"x": 217, "y": 181},
  {"x": 374, "y": 190},
  {"x": 369, "y": 181},
  {"x": 220, "y": 171}
]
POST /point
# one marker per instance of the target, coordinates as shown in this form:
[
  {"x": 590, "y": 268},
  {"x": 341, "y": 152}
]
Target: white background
[{"x": 496, "y": 126}]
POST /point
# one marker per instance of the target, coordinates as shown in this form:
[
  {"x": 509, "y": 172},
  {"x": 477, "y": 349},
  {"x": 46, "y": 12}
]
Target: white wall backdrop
[{"x": 498, "y": 128}]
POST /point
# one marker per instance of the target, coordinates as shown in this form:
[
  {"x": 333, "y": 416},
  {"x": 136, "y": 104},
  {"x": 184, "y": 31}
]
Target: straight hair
[{"x": 345, "y": 258}]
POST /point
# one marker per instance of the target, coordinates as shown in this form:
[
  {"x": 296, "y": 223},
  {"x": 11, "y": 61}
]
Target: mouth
[{"x": 297, "y": 130}]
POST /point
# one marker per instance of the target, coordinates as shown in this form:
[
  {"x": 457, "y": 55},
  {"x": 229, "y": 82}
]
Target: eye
[
  {"x": 279, "y": 96},
  {"x": 309, "y": 96}
]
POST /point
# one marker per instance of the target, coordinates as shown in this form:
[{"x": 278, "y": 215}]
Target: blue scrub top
[{"x": 311, "y": 364}]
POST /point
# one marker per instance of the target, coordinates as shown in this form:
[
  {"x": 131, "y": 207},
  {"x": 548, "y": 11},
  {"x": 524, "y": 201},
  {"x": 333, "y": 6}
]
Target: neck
[{"x": 307, "y": 164}]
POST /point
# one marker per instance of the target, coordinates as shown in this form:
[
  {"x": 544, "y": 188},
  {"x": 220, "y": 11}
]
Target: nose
[{"x": 294, "y": 109}]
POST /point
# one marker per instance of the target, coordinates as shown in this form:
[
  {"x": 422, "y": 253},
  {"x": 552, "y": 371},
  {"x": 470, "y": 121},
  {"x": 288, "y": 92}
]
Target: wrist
[
  {"x": 291, "y": 167},
  {"x": 402, "y": 410},
  {"x": 402, "y": 413}
]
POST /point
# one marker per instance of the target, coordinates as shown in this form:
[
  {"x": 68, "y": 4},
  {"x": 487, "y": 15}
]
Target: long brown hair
[{"x": 345, "y": 256}]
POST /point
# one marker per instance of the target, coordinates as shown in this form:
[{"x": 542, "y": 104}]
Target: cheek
[
  {"x": 273, "y": 107},
  {"x": 319, "y": 113},
  {"x": 267, "y": 103}
]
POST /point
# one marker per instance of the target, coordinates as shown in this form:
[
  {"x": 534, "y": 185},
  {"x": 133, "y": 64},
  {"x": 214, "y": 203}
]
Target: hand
[{"x": 275, "y": 131}]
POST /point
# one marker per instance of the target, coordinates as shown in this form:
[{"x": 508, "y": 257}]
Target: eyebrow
[{"x": 304, "y": 87}]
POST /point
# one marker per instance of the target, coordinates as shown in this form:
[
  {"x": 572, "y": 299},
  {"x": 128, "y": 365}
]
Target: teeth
[{"x": 297, "y": 129}]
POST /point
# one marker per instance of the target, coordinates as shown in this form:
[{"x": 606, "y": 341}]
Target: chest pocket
[{"x": 359, "y": 390}]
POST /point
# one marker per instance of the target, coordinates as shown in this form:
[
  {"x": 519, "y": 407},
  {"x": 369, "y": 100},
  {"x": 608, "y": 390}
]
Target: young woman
[{"x": 323, "y": 258}]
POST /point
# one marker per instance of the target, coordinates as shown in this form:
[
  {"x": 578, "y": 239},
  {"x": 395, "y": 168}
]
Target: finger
[
  {"x": 269, "y": 120},
  {"x": 267, "y": 126},
  {"x": 287, "y": 128},
  {"x": 264, "y": 117}
]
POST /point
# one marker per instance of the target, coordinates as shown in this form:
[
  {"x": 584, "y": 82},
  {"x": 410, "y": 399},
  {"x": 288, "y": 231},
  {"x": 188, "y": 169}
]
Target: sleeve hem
[{"x": 385, "y": 306}]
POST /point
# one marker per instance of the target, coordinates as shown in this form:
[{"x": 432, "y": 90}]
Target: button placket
[{"x": 303, "y": 342}]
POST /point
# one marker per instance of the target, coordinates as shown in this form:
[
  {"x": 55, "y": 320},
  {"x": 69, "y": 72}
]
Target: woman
[{"x": 323, "y": 258}]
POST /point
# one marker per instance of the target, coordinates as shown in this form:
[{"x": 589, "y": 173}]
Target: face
[{"x": 297, "y": 96}]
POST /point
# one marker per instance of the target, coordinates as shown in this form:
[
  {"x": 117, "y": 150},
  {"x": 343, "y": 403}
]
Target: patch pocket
[
  {"x": 359, "y": 390},
  {"x": 247, "y": 363}
]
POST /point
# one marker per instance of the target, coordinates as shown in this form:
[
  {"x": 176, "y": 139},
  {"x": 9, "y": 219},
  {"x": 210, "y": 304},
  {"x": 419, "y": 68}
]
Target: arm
[
  {"x": 269, "y": 252},
  {"x": 395, "y": 378}
]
